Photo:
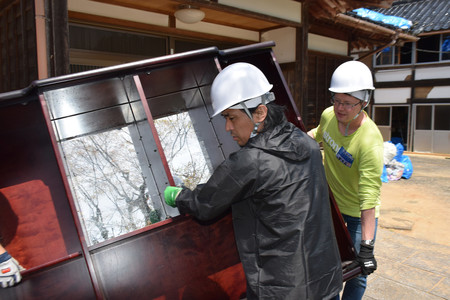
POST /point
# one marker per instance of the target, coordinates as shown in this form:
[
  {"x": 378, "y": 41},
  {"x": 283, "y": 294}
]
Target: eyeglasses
[{"x": 347, "y": 106}]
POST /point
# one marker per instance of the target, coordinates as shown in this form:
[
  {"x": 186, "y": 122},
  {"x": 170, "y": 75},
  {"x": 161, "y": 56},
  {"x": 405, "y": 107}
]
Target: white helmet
[
  {"x": 240, "y": 86},
  {"x": 354, "y": 78}
]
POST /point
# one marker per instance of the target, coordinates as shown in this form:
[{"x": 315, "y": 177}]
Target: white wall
[
  {"x": 327, "y": 45},
  {"x": 220, "y": 30},
  {"x": 117, "y": 12},
  {"x": 284, "y": 39},
  {"x": 432, "y": 73},
  {"x": 439, "y": 92},
  {"x": 283, "y": 9},
  {"x": 392, "y": 95},
  {"x": 392, "y": 75}
]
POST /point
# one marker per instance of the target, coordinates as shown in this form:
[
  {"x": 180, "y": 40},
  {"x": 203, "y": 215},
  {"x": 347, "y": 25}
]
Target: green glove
[{"x": 170, "y": 194}]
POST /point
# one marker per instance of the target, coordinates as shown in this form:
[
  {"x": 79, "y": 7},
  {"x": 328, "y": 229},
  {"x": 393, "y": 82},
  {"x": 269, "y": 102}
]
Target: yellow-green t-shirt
[{"x": 353, "y": 164}]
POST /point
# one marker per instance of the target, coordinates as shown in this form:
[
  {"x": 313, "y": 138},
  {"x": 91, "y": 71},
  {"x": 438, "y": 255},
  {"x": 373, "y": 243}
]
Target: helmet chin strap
[
  {"x": 266, "y": 98},
  {"x": 256, "y": 124},
  {"x": 366, "y": 101},
  {"x": 348, "y": 124}
]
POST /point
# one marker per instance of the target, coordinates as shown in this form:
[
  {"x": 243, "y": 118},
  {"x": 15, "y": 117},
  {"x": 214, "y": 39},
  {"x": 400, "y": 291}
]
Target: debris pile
[{"x": 396, "y": 165}]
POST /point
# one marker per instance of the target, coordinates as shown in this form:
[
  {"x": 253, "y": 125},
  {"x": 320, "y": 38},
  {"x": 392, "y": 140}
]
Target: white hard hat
[
  {"x": 352, "y": 77},
  {"x": 239, "y": 82}
]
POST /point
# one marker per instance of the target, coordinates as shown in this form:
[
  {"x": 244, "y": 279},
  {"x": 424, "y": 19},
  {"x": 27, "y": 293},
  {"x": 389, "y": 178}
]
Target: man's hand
[
  {"x": 170, "y": 195},
  {"x": 10, "y": 272},
  {"x": 366, "y": 259}
]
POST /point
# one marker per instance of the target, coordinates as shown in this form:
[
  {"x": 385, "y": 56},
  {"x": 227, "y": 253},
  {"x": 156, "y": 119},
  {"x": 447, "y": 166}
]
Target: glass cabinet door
[
  {"x": 124, "y": 139},
  {"x": 99, "y": 129}
]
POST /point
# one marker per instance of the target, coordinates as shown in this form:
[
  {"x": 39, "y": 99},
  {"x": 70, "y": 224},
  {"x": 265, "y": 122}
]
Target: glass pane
[
  {"x": 102, "y": 132},
  {"x": 405, "y": 53},
  {"x": 441, "y": 117},
  {"x": 108, "y": 184},
  {"x": 189, "y": 45},
  {"x": 385, "y": 56},
  {"x": 445, "y": 48},
  {"x": 116, "y": 41},
  {"x": 382, "y": 116},
  {"x": 112, "y": 159},
  {"x": 188, "y": 160},
  {"x": 399, "y": 124},
  {"x": 428, "y": 49},
  {"x": 423, "y": 117}
]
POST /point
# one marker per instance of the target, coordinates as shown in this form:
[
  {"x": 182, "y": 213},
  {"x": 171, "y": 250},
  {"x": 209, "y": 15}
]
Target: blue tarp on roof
[
  {"x": 426, "y": 15},
  {"x": 379, "y": 17}
]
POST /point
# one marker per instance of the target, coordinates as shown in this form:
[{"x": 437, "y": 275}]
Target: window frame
[
  {"x": 154, "y": 97},
  {"x": 414, "y": 55}
]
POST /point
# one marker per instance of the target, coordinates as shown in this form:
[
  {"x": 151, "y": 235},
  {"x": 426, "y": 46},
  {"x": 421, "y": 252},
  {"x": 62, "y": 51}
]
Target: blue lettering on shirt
[{"x": 345, "y": 157}]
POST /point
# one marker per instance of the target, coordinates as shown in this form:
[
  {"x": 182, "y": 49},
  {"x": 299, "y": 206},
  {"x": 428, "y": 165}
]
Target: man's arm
[
  {"x": 365, "y": 257},
  {"x": 368, "y": 224}
]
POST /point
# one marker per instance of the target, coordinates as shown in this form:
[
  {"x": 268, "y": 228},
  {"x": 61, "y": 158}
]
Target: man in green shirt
[{"x": 353, "y": 148}]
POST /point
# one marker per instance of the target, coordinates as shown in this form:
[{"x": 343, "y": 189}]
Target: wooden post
[
  {"x": 301, "y": 65},
  {"x": 56, "y": 12}
]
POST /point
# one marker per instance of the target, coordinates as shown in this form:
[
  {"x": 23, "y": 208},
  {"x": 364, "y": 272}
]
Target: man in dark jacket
[{"x": 275, "y": 185}]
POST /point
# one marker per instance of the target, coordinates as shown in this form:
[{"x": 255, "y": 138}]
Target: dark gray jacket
[{"x": 277, "y": 190}]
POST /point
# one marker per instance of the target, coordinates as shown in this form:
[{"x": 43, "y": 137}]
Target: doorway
[
  {"x": 431, "y": 128},
  {"x": 393, "y": 122}
]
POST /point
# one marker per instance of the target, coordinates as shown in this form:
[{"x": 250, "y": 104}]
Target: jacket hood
[{"x": 279, "y": 142}]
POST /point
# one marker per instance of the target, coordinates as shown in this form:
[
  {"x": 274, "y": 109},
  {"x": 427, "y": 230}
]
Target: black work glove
[{"x": 366, "y": 259}]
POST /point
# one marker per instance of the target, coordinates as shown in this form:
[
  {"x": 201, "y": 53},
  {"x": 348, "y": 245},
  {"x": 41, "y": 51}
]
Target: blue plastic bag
[
  {"x": 384, "y": 177},
  {"x": 400, "y": 150},
  {"x": 407, "y": 172},
  {"x": 396, "y": 140}
]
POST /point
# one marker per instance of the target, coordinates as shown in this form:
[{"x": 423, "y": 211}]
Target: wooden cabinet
[{"x": 83, "y": 168}]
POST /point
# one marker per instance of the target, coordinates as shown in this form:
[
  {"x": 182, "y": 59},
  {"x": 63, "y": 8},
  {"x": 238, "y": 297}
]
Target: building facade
[
  {"x": 412, "y": 99},
  {"x": 49, "y": 38}
]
